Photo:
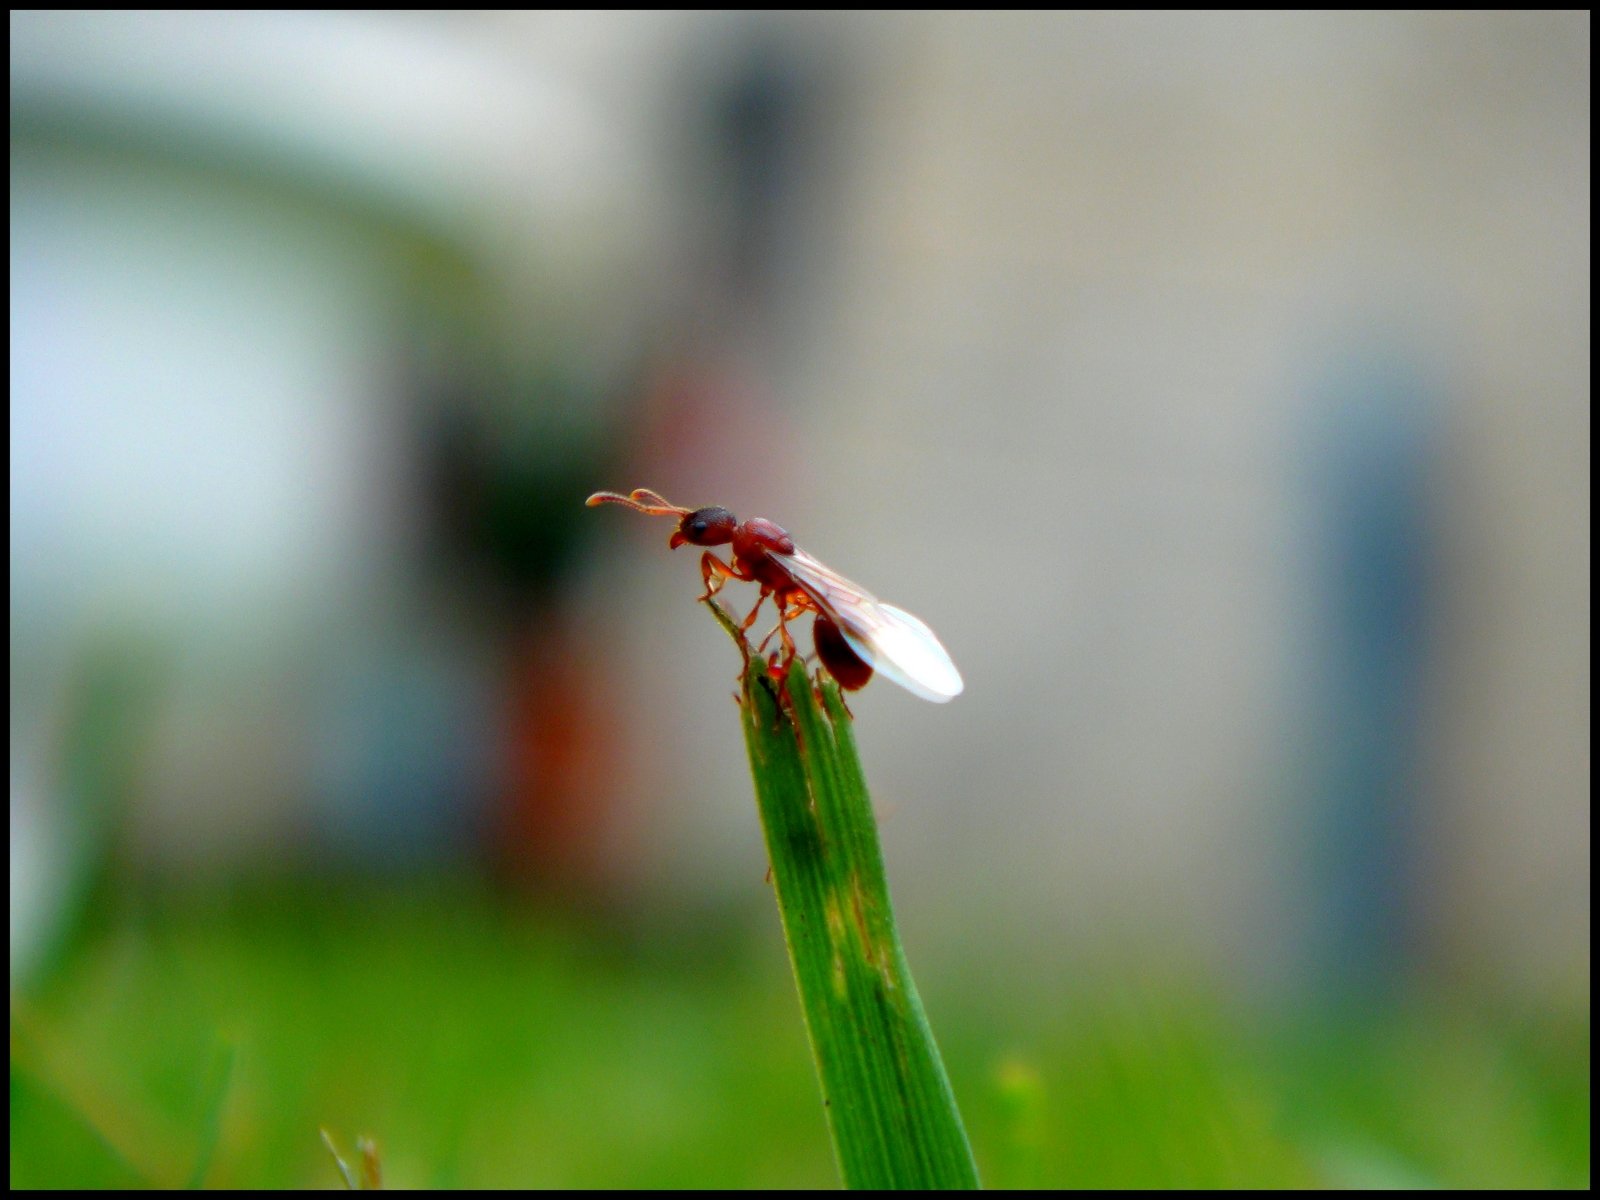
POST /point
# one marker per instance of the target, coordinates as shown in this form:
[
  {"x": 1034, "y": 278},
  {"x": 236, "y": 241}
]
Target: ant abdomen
[{"x": 842, "y": 662}]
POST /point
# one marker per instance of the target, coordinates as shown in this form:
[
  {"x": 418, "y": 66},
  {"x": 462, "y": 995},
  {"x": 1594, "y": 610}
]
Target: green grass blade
[
  {"x": 217, "y": 1096},
  {"x": 890, "y": 1109}
]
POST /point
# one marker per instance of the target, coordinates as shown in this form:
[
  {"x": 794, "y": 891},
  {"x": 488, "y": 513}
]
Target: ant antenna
[{"x": 643, "y": 499}]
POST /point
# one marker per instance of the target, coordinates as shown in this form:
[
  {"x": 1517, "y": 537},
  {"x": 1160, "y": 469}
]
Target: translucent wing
[{"x": 895, "y": 644}]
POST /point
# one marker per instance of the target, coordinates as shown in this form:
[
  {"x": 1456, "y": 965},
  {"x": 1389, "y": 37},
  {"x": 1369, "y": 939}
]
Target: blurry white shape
[
  {"x": 37, "y": 869},
  {"x": 424, "y": 113},
  {"x": 49, "y": 853},
  {"x": 193, "y": 420},
  {"x": 204, "y": 271}
]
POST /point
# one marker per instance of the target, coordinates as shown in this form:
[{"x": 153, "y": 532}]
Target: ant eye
[{"x": 708, "y": 526}]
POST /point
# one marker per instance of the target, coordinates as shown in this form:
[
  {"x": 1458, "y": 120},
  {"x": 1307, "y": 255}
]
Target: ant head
[{"x": 705, "y": 527}]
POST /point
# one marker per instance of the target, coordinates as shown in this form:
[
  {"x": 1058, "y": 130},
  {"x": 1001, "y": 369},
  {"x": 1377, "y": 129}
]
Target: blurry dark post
[
  {"x": 746, "y": 123},
  {"x": 751, "y": 133},
  {"x": 503, "y": 479},
  {"x": 760, "y": 122},
  {"x": 501, "y": 530},
  {"x": 1371, "y": 559}
]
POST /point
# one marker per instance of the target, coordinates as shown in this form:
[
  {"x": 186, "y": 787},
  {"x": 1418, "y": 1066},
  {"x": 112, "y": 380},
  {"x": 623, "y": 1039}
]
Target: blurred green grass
[{"x": 484, "y": 1042}]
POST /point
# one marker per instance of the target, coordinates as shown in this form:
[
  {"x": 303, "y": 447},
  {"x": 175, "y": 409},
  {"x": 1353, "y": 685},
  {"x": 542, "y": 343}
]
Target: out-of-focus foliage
[{"x": 479, "y": 1047}]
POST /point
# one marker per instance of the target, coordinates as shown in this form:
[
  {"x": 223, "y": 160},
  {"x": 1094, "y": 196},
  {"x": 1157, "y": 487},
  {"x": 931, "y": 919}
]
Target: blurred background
[{"x": 1217, "y": 387}]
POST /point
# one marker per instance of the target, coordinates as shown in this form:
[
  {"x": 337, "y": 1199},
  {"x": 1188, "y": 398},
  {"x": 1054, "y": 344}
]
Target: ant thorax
[{"x": 753, "y": 539}]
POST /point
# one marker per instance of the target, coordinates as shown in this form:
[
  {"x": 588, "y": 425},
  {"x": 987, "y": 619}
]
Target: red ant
[{"x": 854, "y": 632}]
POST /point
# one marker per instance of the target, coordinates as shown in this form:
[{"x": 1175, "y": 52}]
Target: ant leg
[
  {"x": 795, "y": 609},
  {"x": 770, "y": 634},
  {"x": 751, "y": 619},
  {"x": 783, "y": 632},
  {"x": 714, "y": 573}
]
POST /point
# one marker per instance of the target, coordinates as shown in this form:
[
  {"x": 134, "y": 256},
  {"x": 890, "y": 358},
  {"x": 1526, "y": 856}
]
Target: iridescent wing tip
[{"x": 903, "y": 649}]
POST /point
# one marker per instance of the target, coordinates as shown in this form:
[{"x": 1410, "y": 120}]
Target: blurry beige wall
[
  {"x": 1038, "y": 356},
  {"x": 1047, "y": 373}
]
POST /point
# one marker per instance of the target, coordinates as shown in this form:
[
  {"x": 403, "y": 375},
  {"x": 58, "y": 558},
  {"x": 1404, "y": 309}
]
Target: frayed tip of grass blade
[
  {"x": 368, "y": 1177},
  {"x": 338, "y": 1161},
  {"x": 371, "y": 1167}
]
